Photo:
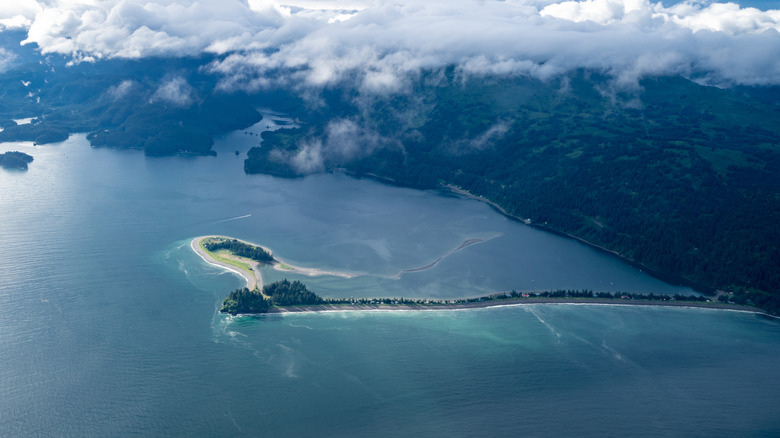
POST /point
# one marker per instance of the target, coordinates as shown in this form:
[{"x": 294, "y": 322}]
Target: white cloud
[
  {"x": 138, "y": 28},
  {"x": 347, "y": 139},
  {"x": 495, "y": 132},
  {"x": 308, "y": 158},
  {"x": 18, "y": 14},
  {"x": 597, "y": 11},
  {"x": 724, "y": 17},
  {"x": 6, "y": 60},
  {"x": 122, "y": 89},
  {"x": 381, "y": 44},
  {"x": 174, "y": 91},
  {"x": 343, "y": 141},
  {"x": 484, "y": 140}
]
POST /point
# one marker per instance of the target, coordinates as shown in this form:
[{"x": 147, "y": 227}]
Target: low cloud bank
[{"x": 379, "y": 45}]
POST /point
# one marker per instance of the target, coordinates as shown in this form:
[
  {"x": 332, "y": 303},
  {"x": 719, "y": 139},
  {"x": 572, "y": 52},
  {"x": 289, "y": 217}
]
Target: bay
[{"x": 109, "y": 323}]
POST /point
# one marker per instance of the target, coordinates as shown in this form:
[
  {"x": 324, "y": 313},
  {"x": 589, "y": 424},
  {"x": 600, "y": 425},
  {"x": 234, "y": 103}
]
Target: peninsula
[
  {"x": 284, "y": 296},
  {"x": 245, "y": 258}
]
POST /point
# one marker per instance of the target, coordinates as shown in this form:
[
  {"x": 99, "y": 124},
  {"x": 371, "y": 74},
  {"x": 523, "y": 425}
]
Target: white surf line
[
  {"x": 234, "y": 218},
  {"x": 444, "y": 308},
  {"x": 236, "y": 271}
]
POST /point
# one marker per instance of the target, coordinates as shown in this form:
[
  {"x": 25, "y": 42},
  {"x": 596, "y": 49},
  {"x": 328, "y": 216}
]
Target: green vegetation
[
  {"x": 116, "y": 102},
  {"x": 237, "y": 248},
  {"x": 514, "y": 296},
  {"x": 679, "y": 178},
  {"x": 263, "y": 160},
  {"x": 230, "y": 261},
  {"x": 15, "y": 160},
  {"x": 244, "y": 301},
  {"x": 278, "y": 294},
  {"x": 287, "y": 295}
]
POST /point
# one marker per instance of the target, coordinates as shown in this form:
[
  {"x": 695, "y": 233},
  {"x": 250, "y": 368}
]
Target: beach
[
  {"x": 440, "y": 306},
  {"x": 254, "y": 280}
]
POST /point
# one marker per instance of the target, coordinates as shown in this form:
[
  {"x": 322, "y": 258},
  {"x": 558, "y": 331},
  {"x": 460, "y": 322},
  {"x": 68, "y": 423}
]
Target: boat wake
[{"x": 234, "y": 218}]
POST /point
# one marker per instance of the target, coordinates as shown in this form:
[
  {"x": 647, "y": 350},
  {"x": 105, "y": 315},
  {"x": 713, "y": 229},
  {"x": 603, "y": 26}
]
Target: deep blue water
[{"x": 108, "y": 322}]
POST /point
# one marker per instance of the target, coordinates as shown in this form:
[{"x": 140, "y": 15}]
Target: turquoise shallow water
[{"x": 108, "y": 322}]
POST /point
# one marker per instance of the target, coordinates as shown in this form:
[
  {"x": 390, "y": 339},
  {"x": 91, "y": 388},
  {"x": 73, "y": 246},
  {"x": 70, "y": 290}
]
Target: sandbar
[
  {"x": 253, "y": 277},
  {"x": 509, "y": 302},
  {"x": 254, "y": 280}
]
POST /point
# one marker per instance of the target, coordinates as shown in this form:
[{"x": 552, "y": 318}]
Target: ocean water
[{"x": 109, "y": 323}]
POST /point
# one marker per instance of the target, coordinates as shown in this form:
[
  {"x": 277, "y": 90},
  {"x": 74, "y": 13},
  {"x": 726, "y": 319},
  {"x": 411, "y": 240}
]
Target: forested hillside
[
  {"x": 678, "y": 177},
  {"x": 161, "y": 106}
]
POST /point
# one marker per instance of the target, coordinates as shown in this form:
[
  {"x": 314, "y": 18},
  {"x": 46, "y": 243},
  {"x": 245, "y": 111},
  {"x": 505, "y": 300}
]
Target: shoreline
[
  {"x": 511, "y": 302},
  {"x": 667, "y": 277},
  {"x": 254, "y": 279}
]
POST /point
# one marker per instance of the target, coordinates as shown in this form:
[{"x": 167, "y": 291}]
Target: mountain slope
[{"x": 677, "y": 177}]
